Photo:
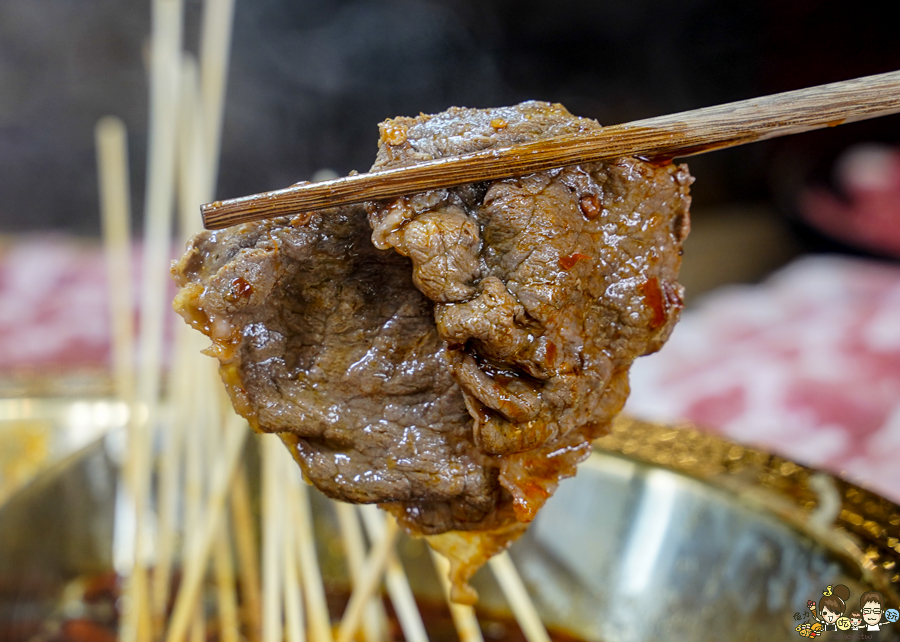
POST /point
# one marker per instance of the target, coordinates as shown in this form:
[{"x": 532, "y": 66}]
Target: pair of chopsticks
[{"x": 673, "y": 136}]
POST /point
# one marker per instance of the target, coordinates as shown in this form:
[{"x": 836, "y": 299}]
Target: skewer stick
[
  {"x": 166, "y": 47},
  {"x": 112, "y": 164},
  {"x": 194, "y": 473},
  {"x": 215, "y": 42},
  {"x": 464, "y": 618},
  {"x": 192, "y": 162},
  {"x": 273, "y": 531},
  {"x": 395, "y": 579},
  {"x": 165, "y": 73},
  {"x": 197, "y": 470},
  {"x": 185, "y": 378},
  {"x": 195, "y": 566},
  {"x": 171, "y": 462},
  {"x": 197, "y": 631},
  {"x": 192, "y": 411},
  {"x": 375, "y": 619},
  {"x": 373, "y": 570},
  {"x": 247, "y": 554},
  {"x": 293, "y": 595},
  {"x": 677, "y": 135},
  {"x": 223, "y": 562},
  {"x": 226, "y": 599},
  {"x": 518, "y": 598},
  {"x": 313, "y": 588},
  {"x": 199, "y": 459},
  {"x": 293, "y": 598},
  {"x": 115, "y": 210},
  {"x": 137, "y": 622}
]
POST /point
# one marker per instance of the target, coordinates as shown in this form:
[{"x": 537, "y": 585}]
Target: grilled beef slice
[{"x": 457, "y": 386}]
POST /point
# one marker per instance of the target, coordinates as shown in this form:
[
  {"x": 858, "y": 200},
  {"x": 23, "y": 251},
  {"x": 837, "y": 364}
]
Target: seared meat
[
  {"x": 323, "y": 338},
  {"x": 458, "y": 386}
]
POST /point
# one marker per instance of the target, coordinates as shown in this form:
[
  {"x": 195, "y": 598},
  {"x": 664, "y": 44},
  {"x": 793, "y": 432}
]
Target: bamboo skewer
[
  {"x": 170, "y": 479},
  {"x": 192, "y": 489},
  {"x": 313, "y": 588},
  {"x": 215, "y": 41},
  {"x": 273, "y": 532},
  {"x": 293, "y": 598},
  {"x": 296, "y": 615},
  {"x": 192, "y": 164},
  {"x": 375, "y": 618},
  {"x": 195, "y": 565},
  {"x": 247, "y": 554},
  {"x": 223, "y": 562},
  {"x": 675, "y": 135},
  {"x": 518, "y": 598},
  {"x": 166, "y": 44},
  {"x": 185, "y": 392},
  {"x": 226, "y": 599},
  {"x": 193, "y": 466},
  {"x": 112, "y": 164},
  {"x": 197, "y": 407},
  {"x": 181, "y": 432},
  {"x": 373, "y": 571},
  {"x": 395, "y": 579},
  {"x": 115, "y": 210},
  {"x": 197, "y": 630}
]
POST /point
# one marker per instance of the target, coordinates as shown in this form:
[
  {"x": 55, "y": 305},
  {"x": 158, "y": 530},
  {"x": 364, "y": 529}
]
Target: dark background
[{"x": 310, "y": 79}]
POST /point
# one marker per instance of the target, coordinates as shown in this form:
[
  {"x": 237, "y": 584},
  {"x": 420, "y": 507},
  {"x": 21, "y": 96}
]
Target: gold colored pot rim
[{"x": 860, "y": 526}]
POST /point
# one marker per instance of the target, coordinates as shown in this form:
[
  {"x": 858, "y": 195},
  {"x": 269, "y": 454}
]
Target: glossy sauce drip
[
  {"x": 568, "y": 262},
  {"x": 589, "y": 204},
  {"x": 240, "y": 289},
  {"x": 540, "y": 474},
  {"x": 551, "y": 353},
  {"x": 653, "y": 297}
]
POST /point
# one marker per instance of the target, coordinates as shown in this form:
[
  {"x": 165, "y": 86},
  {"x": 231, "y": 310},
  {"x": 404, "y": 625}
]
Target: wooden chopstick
[{"x": 664, "y": 137}]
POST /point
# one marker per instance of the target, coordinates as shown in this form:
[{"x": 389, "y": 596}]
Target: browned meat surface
[
  {"x": 324, "y": 339},
  {"x": 458, "y": 386}
]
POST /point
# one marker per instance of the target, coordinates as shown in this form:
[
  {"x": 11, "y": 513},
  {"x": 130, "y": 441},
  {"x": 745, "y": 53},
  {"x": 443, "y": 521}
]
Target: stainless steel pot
[{"x": 666, "y": 533}]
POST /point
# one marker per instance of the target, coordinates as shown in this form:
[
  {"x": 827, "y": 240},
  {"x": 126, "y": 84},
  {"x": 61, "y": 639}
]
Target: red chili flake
[
  {"x": 240, "y": 289},
  {"x": 568, "y": 262},
  {"x": 551, "y": 353},
  {"x": 589, "y": 205},
  {"x": 653, "y": 297}
]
